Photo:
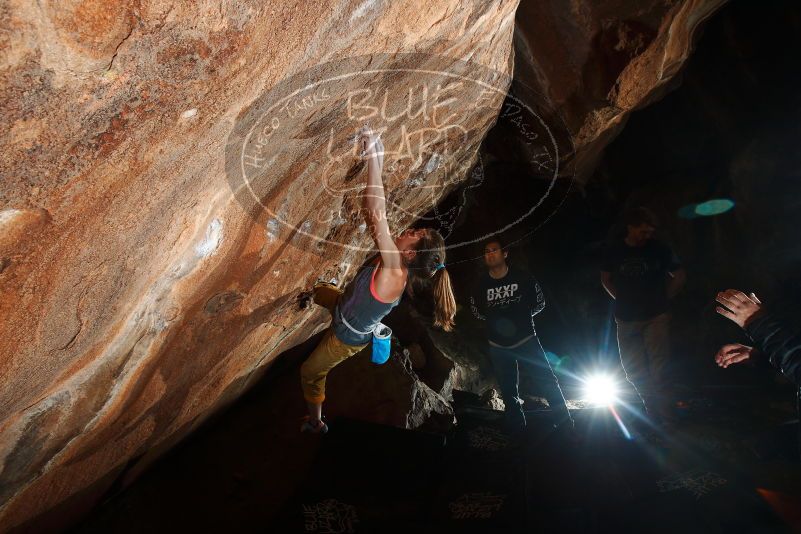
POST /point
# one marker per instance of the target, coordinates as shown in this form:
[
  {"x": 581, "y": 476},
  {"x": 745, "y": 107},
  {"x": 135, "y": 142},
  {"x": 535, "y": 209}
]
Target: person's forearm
[
  {"x": 374, "y": 201},
  {"x": 780, "y": 344},
  {"x": 539, "y": 305},
  {"x": 606, "y": 282},
  {"x": 673, "y": 288},
  {"x": 675, "y": 283},
  {"x": 610, "y": 288},
  {"x": 537, "y": 300},
  {"x": 477, "y": 312}
]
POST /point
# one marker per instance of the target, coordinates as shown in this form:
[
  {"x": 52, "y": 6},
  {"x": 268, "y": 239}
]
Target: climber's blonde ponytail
[
  {"x": 429, "y": 263},
  {"x": 444, "y": 301}
]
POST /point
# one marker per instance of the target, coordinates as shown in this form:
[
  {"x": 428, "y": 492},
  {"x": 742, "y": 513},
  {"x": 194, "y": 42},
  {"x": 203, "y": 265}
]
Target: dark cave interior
[{"x": 719, "y": 135}]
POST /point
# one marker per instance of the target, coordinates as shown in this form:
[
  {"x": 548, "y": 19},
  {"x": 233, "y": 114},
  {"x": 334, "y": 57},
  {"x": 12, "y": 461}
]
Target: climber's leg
[{"x": 329, "y": 352}]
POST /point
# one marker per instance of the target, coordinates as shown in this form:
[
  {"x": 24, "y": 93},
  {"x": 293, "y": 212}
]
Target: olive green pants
[{"x": 329, "y": 352}]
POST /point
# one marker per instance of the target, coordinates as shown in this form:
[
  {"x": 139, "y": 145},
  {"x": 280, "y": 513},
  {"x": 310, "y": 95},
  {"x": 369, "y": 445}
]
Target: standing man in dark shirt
[
  {"x": 508, "y": 298},
  {"x": 642, "y": 274}
]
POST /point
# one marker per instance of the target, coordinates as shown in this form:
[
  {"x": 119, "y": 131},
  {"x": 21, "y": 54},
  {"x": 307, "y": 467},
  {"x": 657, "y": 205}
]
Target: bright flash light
[{"x": 600, "y": 390}]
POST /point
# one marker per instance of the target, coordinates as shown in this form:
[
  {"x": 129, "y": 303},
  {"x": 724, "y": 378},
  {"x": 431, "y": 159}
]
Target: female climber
[{"x": 376, "y": 288}]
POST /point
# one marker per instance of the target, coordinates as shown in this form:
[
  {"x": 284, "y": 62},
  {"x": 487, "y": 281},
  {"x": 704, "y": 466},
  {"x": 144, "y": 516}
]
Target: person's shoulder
[{"x": 481, "y": 278}]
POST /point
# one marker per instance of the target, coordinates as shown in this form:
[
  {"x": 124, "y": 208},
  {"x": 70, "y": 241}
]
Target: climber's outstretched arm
[{"x": 374, "y": 202}]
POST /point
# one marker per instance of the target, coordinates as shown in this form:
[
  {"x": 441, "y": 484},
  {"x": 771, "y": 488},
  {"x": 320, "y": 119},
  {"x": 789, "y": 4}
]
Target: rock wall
[
  {"x": 140, "y": 291},
  {"x": 593, "y": 63}
]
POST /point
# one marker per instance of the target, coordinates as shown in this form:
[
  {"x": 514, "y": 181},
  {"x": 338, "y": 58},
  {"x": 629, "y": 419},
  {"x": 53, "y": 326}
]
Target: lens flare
[
  {"x": 709, "y": 208},
  {"x": 600, "y": 390},
  {"x": 714, "y": 207}
]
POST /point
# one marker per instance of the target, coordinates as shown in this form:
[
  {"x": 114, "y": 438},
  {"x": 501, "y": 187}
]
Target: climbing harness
[{"x": 382, "y": 335}]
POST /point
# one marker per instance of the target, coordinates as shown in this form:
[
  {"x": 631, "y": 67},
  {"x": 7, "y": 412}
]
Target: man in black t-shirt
[
  {"x": 507, "y": 298},
  {"x": 642, "y": 274}
]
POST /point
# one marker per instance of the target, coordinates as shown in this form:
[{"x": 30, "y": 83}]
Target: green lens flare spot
[{"x": 714, "y": 207}]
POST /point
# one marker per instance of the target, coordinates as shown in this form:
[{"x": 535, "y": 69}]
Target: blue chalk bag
[{"x": 382, "y": 344}]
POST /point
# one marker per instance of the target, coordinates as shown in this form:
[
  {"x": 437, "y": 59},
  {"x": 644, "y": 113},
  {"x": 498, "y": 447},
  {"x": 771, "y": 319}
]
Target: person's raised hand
[
  {"x": 733, "y": 353},
  {"x": 379, "y": 150},
  {"x": 738, "y": 306},
  {"x": 370, "y": 143},
  {"x": 363, "y": 138}
]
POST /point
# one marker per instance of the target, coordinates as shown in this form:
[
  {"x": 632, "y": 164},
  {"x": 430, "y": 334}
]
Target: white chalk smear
[
  {"x": 339, "y": 220},
  {"x": 211, "y": 241},
  {"x": 6, "y": 216},
  {"x": 273, "y": 229},
  {"x": 159, "y": 323},
  {"x": 362, "y": 10},
  {"x": 189, "y": 113},
  {"x": 433, "y": 163}
]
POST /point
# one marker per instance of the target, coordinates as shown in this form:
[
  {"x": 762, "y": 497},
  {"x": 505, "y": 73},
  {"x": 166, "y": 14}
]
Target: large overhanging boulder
[
  {"x": 157, "y": 224},
  {"x": 145, "y": 283}
]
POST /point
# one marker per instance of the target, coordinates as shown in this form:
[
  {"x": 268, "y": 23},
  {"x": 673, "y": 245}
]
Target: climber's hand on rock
[
  {"x": 733, "y": 353},
  {"x": 372, "y": 146},
  {"x": 367, "y": 141},
  {"x": 738, "y": 306}
]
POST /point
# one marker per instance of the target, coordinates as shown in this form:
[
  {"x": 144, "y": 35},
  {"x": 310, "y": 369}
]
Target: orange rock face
[{"x": 145, "y": 281}]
